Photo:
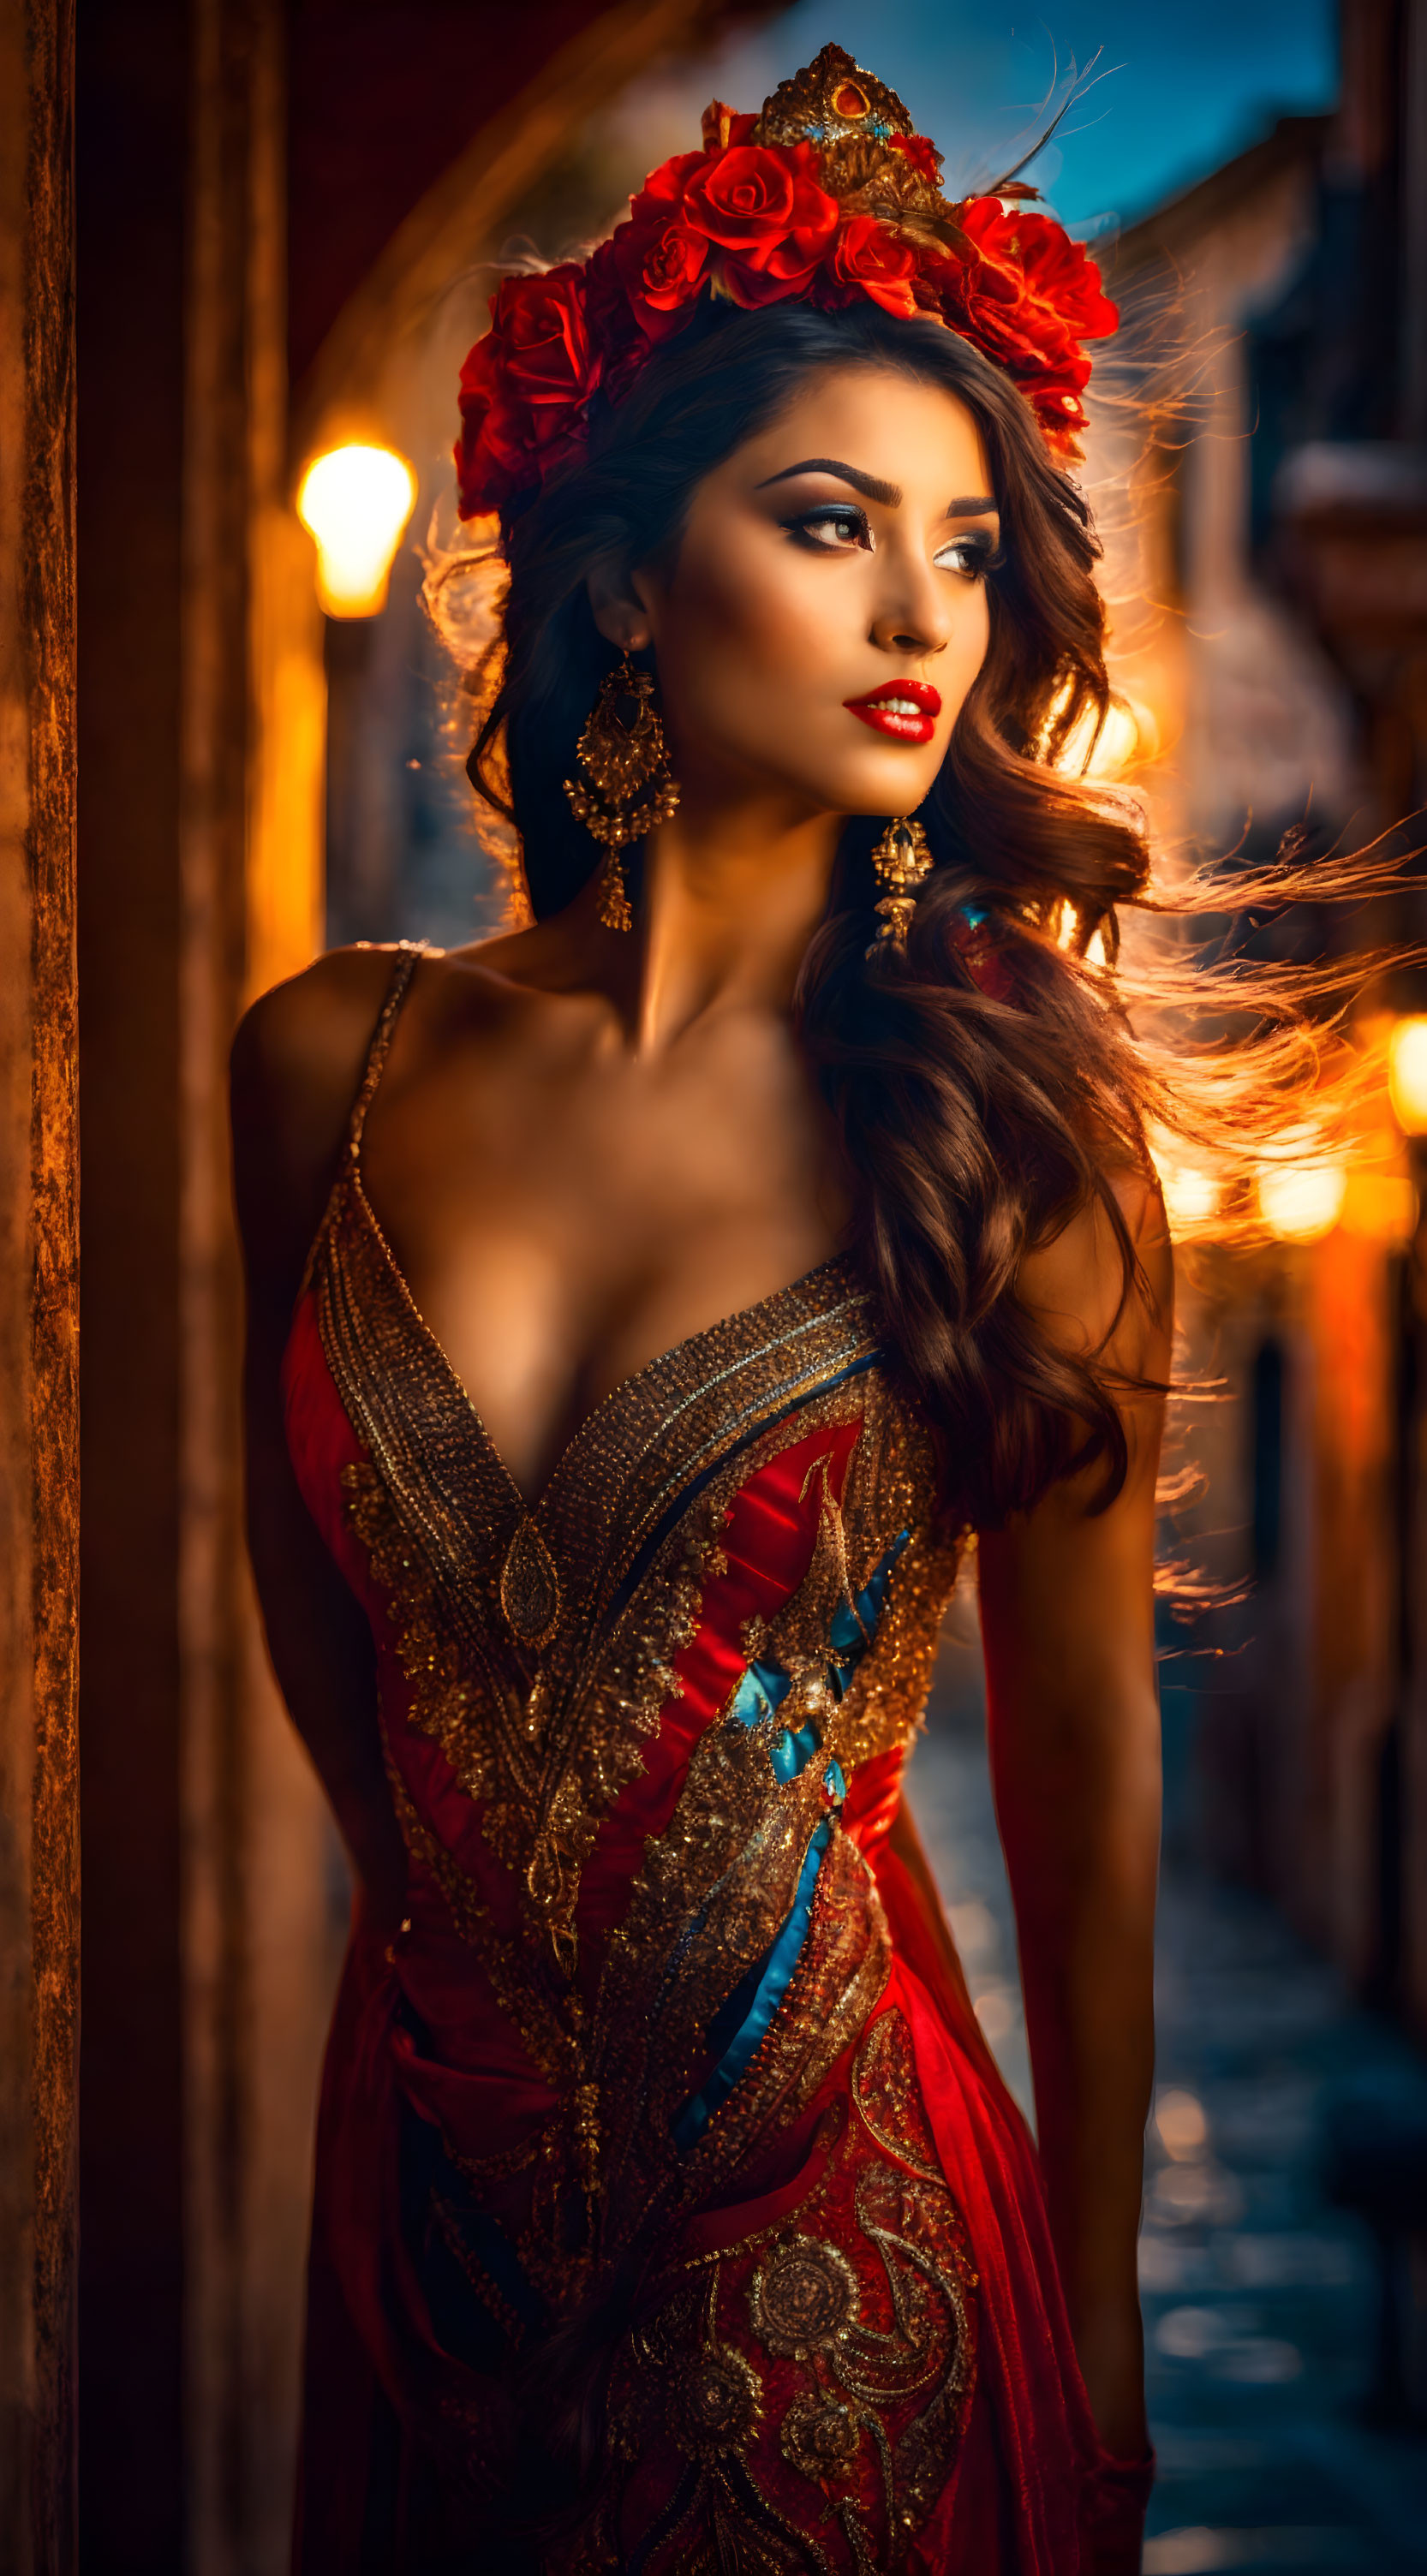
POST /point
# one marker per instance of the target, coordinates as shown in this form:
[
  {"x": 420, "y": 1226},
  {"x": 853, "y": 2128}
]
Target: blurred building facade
[{"x": 1268, "y": 554}]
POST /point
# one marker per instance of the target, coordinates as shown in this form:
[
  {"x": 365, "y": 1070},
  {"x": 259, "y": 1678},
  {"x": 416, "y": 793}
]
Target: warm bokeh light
[
  {"x": 1407, "y": 1075},
  {"x": 1301, "y": 1202},
  {"x": 1381, "y": 1207},
  {"x": 1183, "y": 2128},
  {"x": 356, "y": 501},
  {"x": 1191, "y": 1195},
  {"x": 1129, "y": 738}
]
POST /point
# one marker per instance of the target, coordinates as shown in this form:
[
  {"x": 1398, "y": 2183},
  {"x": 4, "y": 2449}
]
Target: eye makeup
[
  {"x": 835, "y": 526},
  {"x": 980, "y": 553},
  {"x": 834, "y": 523}
]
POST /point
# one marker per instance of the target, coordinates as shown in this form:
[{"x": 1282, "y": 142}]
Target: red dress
[{"x": 670, "y": 2211}]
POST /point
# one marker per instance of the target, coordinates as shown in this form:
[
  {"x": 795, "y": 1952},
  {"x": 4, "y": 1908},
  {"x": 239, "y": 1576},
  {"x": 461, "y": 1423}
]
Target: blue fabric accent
[
  {"x": 854, "y": 1624},
  {"x": 773, "y": 1982},
  {"x": 788, "y": 1752},
  {"x": 764, "y": 1686},
  {"x": 975, "y": 915},
  {"x": 743, "y": 2018},
  {"x": 760, "y": 1694}
]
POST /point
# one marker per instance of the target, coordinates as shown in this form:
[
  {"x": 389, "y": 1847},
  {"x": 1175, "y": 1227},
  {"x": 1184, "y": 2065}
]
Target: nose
[{"x": 914, "y": 616}]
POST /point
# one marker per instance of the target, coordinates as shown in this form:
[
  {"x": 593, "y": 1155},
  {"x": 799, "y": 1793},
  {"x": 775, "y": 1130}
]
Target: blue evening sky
[{"x": 1181, "y": 85}]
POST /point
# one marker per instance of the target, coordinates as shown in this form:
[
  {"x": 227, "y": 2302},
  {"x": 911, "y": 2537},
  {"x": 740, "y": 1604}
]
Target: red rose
[
  {"x": 623, "y": 336},
  {"x": 922, "y": 154},
  {"x": 744, "y": 200},
  {"x": 791, "y": 265},
  {"x": 868, "y": 259},
  {"x": 1061, "y": 273},
  {"x": 491, "y": 449},
  {"x": 665, "y": 186},
  {"x": 544, "y": 334},
  {"x": 1057, "y": 275},
  {"x": 652, "y": 259},
  {"x": 1023, "y": 296},
  {"x": 815, "y": 218},
  {"x": 641, "y": 282},
  {"x": 659, "y": 261},
  {"x": 524, "y": 386},
  {"x": 767, "y": 217}
]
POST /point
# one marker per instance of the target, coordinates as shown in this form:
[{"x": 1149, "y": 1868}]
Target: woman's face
[{"x": 827, "y": 612}]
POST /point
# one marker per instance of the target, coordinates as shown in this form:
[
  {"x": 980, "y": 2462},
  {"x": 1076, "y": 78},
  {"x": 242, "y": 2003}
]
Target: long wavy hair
[{"x": 978, "y": 1111}]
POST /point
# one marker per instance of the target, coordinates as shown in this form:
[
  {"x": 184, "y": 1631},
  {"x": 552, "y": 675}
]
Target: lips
[{"x": 904, "y": 710}]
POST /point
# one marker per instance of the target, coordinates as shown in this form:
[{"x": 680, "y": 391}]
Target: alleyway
[{"x": 1260, "y": 2300}]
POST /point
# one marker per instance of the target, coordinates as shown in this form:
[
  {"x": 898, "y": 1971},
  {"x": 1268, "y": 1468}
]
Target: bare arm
[
  {"x": 297, "y": 1061},
  {"x": 1067, "y": 1617}
]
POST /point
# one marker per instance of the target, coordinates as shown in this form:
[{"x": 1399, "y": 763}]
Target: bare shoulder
[
  {"x": 1074, "y": 1284},
  {"x": 302, "y": 1045},
  {"x": 296, "y": 1065}
]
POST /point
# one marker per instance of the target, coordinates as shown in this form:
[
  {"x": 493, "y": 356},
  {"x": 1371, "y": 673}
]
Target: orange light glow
[
  {"x": 1302, "y": 1202},
  {"x": 1128, "y": 739},
  {"x": 1191, "y": 1196},
  {"x": 1381, "y": 1207},
  {"x": 355, "y": 501},
  {"x": 1407, "y": 1075}
]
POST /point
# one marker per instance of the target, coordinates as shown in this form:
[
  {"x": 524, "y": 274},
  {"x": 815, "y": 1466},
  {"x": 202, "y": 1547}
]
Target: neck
[{"x": 730, "y": 902}]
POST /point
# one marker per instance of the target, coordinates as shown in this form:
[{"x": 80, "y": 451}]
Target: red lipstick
[{"x": 906, "y": 710}]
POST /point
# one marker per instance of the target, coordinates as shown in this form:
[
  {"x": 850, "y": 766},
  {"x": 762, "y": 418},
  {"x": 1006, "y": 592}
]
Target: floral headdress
[{"x": 825, "y": 198}]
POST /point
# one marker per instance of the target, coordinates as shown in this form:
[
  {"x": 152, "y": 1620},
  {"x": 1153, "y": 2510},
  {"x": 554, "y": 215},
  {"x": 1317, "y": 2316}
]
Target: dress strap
[{"x": 409, "y": 951}]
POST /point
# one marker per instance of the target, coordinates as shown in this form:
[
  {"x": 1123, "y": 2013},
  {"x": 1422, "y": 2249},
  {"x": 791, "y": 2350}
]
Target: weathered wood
[{"x": 39, "y": 1501}]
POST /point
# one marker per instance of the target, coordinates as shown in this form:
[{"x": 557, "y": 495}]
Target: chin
[{"x": 885, "y": 786}]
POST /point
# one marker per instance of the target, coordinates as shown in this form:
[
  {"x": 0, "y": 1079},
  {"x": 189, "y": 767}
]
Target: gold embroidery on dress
[
  {"x": 440, "y": 1708},
  {"x": 886, "y": 2092},
  {"x": 539, "y": 1646},
  {"x": 779, "y": 2338},
  {"x": 530, "y": 1586},
  {"x": 553, "y": 1743},
  {"x": 705, "y": 1417}
]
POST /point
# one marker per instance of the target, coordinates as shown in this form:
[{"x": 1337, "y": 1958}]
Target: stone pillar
[
  {"x": 39, "y": 1500},
  {"x": 207, "y": 1849}
]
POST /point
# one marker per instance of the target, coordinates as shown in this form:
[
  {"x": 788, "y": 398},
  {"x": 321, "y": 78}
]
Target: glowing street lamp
[
  {"x": 356, "y": 502},
  {"x": 1407, "y": 1075}
]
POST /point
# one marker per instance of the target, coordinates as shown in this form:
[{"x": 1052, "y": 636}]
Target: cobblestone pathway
[{"x": 1259, "y": 2299}]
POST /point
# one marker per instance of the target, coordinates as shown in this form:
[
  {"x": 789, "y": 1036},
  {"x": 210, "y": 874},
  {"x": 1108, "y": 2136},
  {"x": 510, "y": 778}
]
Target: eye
[
  {"x": 831, "y": 529},
  {"x": 972, "y": 555}
]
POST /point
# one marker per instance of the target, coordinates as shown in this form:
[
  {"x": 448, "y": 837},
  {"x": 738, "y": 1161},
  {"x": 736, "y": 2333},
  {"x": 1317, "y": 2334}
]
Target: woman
[{"x": 646, "y": 1307}]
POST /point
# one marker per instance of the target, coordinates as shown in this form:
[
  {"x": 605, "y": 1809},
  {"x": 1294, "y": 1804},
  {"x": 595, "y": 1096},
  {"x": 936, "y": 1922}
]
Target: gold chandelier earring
[
  {"x": 902, "y": 859},
  {"x": 631, "y": 787}
]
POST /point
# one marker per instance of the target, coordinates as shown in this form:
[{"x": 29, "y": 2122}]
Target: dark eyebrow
[
  {"x": 889, "y": 494},
  {"x": 969, "y": 505}
]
